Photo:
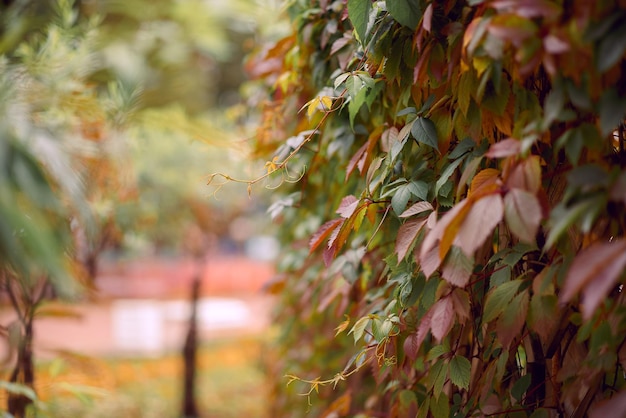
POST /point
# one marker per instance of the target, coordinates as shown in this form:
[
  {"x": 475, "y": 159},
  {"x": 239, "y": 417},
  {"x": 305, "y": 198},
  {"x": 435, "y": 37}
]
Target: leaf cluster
[{"x": 464, "y": 202}]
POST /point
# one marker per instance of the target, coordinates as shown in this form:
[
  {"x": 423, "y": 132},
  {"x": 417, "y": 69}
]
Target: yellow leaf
[{"x": 327, "y": 102}]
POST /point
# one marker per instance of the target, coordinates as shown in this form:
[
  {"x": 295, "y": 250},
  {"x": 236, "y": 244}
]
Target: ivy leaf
[
  {"x": 406, "y": 236},
  {"x": 460, "y": 370},
  {"x": 359, "y": 14},
  {"x": 595, "y": 270},
  {"x": 424, "y": 131},
  {"x": 522, "y": 213},
  {"x": 405, "y": 12}
]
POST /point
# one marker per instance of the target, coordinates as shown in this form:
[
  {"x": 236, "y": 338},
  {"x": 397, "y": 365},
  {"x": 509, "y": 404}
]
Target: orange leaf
[
  {"x": 486, "y": 178},
  {"x": 340, "y": 406}
]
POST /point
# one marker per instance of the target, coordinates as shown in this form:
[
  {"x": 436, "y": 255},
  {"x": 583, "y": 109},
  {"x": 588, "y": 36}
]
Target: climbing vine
[{"x": 456, "y": 245}]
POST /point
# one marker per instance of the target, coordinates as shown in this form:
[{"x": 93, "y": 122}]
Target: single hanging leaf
[
  {"x": 595, "y": 270},
  {"x": 498, "y": 298},
  {"x": 417, "y": 208},
  {"x": 424, "y": 131},
  {"x": 405, "y": 12},
  {"x": 479, "y": 223},
  {"x": 522, "y": 213},
  {"x": 406, "y": 236},
  {"x": 323, "y": 232},
  {"x": 460, "y": 370},
  {"x": 512, "y": 320},
  {"x": 359, "y": 14},
  {"x": 457, "y": 268},
  {"x": 505, "y": 148},
  {"x": 442, "y": 319}
]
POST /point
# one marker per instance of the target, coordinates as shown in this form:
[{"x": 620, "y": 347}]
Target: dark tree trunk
[
  {"x": 23, "y": 373},
  {"x": 190, "y": 409}
]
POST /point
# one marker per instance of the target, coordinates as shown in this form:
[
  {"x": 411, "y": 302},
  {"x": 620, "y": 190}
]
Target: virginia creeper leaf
[
  {"x": 512, "y": 321},
  {"x": 443, "y": 318},
  {"x": 478, "y": 225},
  {"x": 595, "y": 271},
  {"x": 498, "y": 298},
  {"x": 406, "y": 236},
  {"x": 323, "y": 232},
  {"x": 460, "y": 369},
  {"x": 359, "y": 14},
  {"x": 417, "y": 208},
  {"x": 424, "y": 131},
  {"x": 522, "y": 213},
  {"x": 405, "y": 12}
]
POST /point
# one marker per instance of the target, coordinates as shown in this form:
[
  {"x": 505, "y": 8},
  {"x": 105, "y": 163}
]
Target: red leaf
[
  {"x": 442, "y": 319},
  {"x": 355, "y": 159},
  {"x": 407, "y": 234},
  {"x": 479, "y": 223},
  {"x": 522, "y": 212},
  {"x": 412, "y": 345},
  {"x": 505, "y": 148},
  {"x": 323, "y": 232},
  {"x": 347, "y": 206},
  {"x": 427, "y": 18},
  {"x": 595, "y": 270}
]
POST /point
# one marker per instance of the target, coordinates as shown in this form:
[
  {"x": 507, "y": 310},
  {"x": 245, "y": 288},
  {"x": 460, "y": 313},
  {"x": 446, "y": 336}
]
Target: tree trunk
[
  {"x": 23, "y": 373},
  {"x": 190, "y": 349}
]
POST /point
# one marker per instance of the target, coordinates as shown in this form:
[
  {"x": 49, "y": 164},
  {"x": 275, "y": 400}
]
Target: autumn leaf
[
  {"x": 340, "y": 406},
  {"x": 406, "y": 236},
  {"x": 594, "y": 272},
  {"x": 613, "y": 407},
  {"x": 416, "y": 209},
  {"x": 512, "y": 320},
  {"x": 504, "y": 148},
  {"x": 323, "y": 232},
  {"x": 522, "y": 213},
  {"x": 526, "y": 175},
  {"x": 457, "y": 268},
  {"x": 442, "y": 318},
  {"x": 479, "y": 223},
  {"x": 484, "y": 180},
  {"x": 347, "y": 206}
]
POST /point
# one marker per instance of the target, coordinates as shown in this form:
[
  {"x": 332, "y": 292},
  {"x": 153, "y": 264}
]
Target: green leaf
[
  {"x": 18, "y": 389},
  {"x": 405, "y": 12},
  {"x": 401, "y": 198},
  {"x": 612, "y": 110},
  {"x": 424, "y": 131},
  {"x": 498, "y": 299},
  {"x": 440, "y": 406},
  {"x": 460, "y": 369},
  {"x": 612, "y": 47},
  {"x": 359, "y": 14},
  {"x": 520, "y": 387},
  {"x": 445, "y": 175},
  {"x": 359, "y": 328}
]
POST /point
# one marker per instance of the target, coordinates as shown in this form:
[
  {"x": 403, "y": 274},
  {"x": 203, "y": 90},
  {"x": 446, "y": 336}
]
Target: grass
[{"x": 231, "y": 384}]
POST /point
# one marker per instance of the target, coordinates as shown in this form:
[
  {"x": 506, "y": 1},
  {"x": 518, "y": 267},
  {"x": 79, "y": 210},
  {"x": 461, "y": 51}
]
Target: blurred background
[{"x": 129, "y": 287}]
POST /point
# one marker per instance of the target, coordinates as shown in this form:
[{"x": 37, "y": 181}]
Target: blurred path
[{"x": 142, "y": 307}]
